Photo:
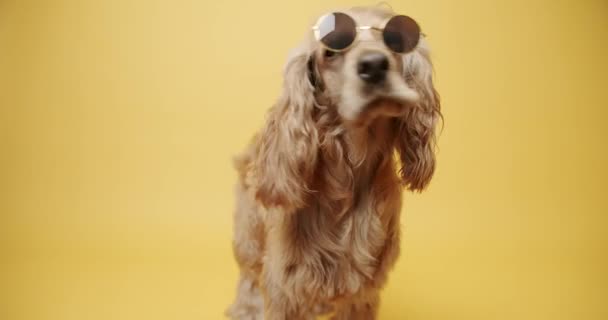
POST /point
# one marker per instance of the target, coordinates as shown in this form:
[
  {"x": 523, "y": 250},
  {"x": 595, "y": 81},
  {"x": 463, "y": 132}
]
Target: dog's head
[
  {"x": 367, "y": 79},
  {"x": 370, "y": 74}
]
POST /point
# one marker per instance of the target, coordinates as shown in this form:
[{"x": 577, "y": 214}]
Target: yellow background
[{"x": 119, "y": 120}]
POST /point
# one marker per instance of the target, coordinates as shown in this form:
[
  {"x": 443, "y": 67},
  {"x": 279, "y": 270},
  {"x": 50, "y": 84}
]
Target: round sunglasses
[{"x": 338, "y": 31}]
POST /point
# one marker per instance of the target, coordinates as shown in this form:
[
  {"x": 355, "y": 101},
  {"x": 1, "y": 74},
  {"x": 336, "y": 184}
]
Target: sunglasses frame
[{"x": 316, "y": 32}]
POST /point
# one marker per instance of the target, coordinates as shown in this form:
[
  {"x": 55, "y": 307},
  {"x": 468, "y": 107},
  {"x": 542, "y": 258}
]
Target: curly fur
[{"x": 319, "y": 194}]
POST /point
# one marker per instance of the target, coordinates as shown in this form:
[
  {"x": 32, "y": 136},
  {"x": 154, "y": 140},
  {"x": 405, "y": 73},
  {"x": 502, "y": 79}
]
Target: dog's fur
[{"x": 319, "y": 196}]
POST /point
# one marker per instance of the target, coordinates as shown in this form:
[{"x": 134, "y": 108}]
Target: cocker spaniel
[{"x": 319, "y": 194}]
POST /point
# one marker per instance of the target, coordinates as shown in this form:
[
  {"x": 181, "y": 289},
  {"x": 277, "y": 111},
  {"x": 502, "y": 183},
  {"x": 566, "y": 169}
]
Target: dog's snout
[{"x": 372, "y": 67}]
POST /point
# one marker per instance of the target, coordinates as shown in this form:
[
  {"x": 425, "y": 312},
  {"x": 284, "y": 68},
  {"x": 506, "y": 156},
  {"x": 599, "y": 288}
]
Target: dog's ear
[
  {"x": 416, "y": 138},
  {"x": 287, "y": 147},
  {"x": 314, "y": 76}
]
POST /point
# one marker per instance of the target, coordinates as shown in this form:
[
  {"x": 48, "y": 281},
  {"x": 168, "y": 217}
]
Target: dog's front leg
[
  {"x": 360, "y": 308},
  {"x": 281, "y": 300},
  {"x": 278, "y": 305}
]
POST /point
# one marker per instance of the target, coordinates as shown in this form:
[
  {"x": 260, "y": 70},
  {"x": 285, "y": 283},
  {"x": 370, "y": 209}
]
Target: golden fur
[{"x": 319, "y": 194}]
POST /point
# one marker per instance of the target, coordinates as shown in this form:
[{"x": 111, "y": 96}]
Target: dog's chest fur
[
  {"x": 328, "y": 254},
  {"x": 334, "y": 258}
]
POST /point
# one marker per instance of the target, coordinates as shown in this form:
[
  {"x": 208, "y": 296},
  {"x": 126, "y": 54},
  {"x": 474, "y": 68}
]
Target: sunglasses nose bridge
[{"x": 366, "y": 33}]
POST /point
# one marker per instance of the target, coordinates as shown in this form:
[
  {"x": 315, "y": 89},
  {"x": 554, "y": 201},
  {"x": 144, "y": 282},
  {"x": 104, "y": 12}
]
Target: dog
[{"x": 316, "y": 226}]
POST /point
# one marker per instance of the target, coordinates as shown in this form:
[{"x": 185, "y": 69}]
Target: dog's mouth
[
  {"x": 391, "y": 102},
  {"x": 381, "y": 107},
  {"x": 392, "y": 99}
]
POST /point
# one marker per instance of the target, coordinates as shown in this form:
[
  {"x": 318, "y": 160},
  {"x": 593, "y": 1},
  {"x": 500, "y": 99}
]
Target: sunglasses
[{"x": 338, "y": 31}]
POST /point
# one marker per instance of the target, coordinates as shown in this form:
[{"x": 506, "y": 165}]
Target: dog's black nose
[{"x": 372, "y": 67}]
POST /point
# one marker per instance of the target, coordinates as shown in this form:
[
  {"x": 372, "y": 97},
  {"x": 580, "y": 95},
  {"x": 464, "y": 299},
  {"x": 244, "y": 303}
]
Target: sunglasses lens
[
  {"x": 336, "y": 30},
  {"x": 401, "y": 34}
]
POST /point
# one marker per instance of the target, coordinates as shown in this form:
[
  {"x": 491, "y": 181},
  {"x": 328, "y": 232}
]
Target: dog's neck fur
[
  {"x": 366, "y": 143},
  {"x": 349, "y": 161}
]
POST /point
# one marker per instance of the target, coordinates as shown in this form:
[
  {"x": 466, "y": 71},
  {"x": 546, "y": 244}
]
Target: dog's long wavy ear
[
  {"x": 416, "y": 138},
  {"x": 287, "y": 147}
]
